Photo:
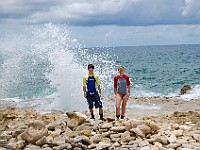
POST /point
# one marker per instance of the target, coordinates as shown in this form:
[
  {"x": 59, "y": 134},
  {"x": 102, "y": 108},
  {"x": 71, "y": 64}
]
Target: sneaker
[
  {"x": 92, "y": 117},
  {"x": 101, "y": 118}
]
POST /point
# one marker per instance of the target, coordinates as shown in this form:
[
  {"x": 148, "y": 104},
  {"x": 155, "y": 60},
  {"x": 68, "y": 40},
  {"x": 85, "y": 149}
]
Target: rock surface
[{"x": 27, "y": 129}]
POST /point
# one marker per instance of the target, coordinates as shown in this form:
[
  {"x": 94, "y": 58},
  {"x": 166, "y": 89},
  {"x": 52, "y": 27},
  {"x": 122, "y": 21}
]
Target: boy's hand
[{"x": 99, "y": 94}]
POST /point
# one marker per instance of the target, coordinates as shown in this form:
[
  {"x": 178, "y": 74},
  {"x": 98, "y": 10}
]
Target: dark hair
[
  {"x": 90, "y": 66},
  {"x": 120, "y": 67}
]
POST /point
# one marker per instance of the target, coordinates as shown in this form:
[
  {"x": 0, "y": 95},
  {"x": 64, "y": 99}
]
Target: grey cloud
[{"x": 102, "y": 12}]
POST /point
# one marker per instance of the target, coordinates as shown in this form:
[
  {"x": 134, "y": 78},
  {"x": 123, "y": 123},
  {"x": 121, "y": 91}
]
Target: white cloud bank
[{"x": 101, "y": 12}]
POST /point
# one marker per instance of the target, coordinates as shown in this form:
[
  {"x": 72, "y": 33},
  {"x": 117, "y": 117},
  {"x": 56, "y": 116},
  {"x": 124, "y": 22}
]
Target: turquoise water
[
  {"x": 49, "y": 61},
  {"x": 159, "y": 70}
]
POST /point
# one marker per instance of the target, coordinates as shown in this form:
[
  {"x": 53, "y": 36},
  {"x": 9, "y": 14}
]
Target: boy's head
[
  {"x": 121, "y": 69},
  {"x": 90, "y": 68}
]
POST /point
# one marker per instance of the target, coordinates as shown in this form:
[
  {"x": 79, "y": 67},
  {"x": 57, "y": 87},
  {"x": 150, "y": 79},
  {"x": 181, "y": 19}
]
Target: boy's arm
[
  {"x": 84, "y": 86},
  {"x": 99, "y": 89},
  {"x": 98, "y": 84}
]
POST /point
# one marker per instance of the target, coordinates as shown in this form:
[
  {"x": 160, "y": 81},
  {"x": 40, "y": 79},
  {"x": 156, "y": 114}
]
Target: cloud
[{"x": 101, "y": 12}]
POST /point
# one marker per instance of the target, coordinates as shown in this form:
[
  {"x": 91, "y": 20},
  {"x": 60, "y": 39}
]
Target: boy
[
  {"x": 90, "y": 83},
  {"x": 122, "y": 91}
]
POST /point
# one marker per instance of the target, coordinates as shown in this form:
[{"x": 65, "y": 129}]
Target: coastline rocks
[{"x": 55, "y": 131}]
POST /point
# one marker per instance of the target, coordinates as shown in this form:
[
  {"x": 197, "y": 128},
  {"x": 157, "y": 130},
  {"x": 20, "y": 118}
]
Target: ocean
[{"x": 49, "y": 62}]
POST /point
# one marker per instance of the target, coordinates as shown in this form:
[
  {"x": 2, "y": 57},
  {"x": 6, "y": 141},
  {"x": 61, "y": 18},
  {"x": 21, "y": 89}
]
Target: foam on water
[{"x": 193, "y": 94}]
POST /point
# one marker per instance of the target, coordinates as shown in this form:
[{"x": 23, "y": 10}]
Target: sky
[{"x": 109, "y": 22}]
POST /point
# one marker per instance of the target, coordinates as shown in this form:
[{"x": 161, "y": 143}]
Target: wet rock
[{"x": 185, "y": 89}]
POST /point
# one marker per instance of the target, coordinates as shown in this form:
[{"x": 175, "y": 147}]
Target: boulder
[
  {"x": 75, "y": 119},
  {"x": 118, "y": 129},
  {"x": 33, "y": 136},
  {"x": 185, "y": 89}
]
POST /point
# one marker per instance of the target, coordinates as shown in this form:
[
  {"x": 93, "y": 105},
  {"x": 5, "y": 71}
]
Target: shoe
[
  {"x": 102, "y": 119},
  {"x": 92, "y": 117}
]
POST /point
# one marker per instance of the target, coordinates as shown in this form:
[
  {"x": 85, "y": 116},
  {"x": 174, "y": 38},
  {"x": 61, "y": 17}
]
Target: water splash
[{"x": 48, "y": 62}]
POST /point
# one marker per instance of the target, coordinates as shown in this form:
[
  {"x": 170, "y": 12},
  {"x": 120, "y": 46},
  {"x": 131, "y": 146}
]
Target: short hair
[
  {"x": 120, "y": 67},
  {"x": 90, "y": 66}
]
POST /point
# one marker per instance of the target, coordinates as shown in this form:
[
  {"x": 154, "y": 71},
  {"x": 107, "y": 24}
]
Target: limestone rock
[
  {"x": 37, "y": 124},
  {"x": 106, "y": 126},
  {"x": 76, "y": 119},
  {"x": 172, "y": 138},
  {"x": 63, "y": 146},
  {"x": 162, "y": 139},
  {"x": 118, "y": 129},
  {"x": 96, "y": 138},
  {"x": 58, "y": 141},
  {"x": 103, "y": 146},
  {"x": 33, "y": 136}
]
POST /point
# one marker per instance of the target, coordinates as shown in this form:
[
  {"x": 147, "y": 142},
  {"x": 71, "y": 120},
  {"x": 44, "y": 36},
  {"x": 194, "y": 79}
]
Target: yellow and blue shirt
[{"x": 91, "y": 82}]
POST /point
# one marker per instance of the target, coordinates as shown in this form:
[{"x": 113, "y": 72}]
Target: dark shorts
[{"x": 94, "y": 99}]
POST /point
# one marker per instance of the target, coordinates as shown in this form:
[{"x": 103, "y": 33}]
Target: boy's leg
[
  {"x": 98, "y": 104},
  {"x": 90, "y": 104},
  {"x": 118, "y": 103},
  {"x": 124, "y": 102}
]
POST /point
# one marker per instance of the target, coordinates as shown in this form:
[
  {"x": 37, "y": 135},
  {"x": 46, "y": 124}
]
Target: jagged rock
[
  {"x": 196, "y": 137},
  {"x": 63, "y": 146},
  {"x": 177, "y": 133},
  {"x": 44, "y": 140},
  {"x": 37, "y": 124},
  {"x": 33, "y": 136},
  {"x": 96, "y": 138},
  {"x": 174, "y": 145},
  {"x": 17, "y": 132},
  {"x": 162, "y": 139},
  {"x": 172, "y": 138},
  {"x": 106, "y": 126},
  {"x": 20, "y": 145},
  {"x": 32, "y": 147},
  {"x": 86, "y": 133},
  {"x": 103, "y": 146},
  {"x": 118, "y": 129},
  {"x": 133, "y": 123},
  {"x": 138, "y": 132},
  {"x": 76, "y": 119},
  {"x": 154, "y": 127},
  {"x": 126, "y": 137},
  {"x": 185, "y": 89},
  {"x": 58, "y": 141}
]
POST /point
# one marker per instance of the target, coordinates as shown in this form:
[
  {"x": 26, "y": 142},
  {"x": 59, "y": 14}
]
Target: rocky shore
[{"x": 25, "y": 128}]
